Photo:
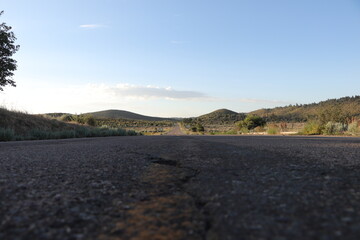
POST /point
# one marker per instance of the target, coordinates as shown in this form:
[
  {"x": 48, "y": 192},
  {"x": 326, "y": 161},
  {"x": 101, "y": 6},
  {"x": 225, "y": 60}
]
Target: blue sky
[{"x": 181, "y": 57}]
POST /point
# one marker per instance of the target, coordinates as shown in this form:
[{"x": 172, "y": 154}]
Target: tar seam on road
[{"x": 165, "y": 211}]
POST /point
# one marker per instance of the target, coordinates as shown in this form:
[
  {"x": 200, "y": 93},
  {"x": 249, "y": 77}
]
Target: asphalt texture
[{"x": 181, "y": 187}]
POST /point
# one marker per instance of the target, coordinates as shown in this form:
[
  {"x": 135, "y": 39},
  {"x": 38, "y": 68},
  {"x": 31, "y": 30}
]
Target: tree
[
  {"x": 7, "y": 49},
  {"x": 251, "y": 122}
]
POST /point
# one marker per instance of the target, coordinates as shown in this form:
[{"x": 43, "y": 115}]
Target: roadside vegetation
[
  {"x": 338, "y": 110},
  {"x": 145, "y": 127},
  {"x": 16, "y": 126},
  {"x": 331, "y": 117},
  {"x": 329, "y": 120}
]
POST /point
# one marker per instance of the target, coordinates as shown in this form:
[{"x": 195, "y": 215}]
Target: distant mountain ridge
[{"x": 122, "y": 114}]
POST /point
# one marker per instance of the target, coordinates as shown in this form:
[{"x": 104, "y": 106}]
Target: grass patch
[
  {"x": 19, "y": 126},
  {"x": 81, "y": 132},
  {"x": 6, "y": 134},
  {"x": 273, "y": 130}
]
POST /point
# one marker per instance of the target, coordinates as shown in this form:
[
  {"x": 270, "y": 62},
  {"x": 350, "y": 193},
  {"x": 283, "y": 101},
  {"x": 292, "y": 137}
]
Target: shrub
[
  {"x": 244, "y": 130},
  {"x": 90, "y": 120},
  {"x": 6, "y": 134},
  {"x": 67, "y": 118},
  {"x": 200, "y": 128},
  {"x": 251, "y": 122},
  {"x": 85, "y": 119},
  {"x": 332, "y": 128},
  {"x": 312, "y": 128},
  {"x": 354, "y": 128}
]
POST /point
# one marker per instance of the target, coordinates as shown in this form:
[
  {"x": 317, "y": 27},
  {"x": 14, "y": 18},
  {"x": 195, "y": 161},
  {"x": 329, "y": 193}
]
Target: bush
[
  {"x": 6, "y": 134},
  {"x": 90, "y": 120},
  {"x": 85, "y": 119},
  {"x": 200, "y": 128},
  {"x": 67, "y": 118},
  {"x": 354, "y": 128},
  {"x": 244, "y": 130},
  {"x": 312, "y": 128},
  {"x": 251, "y": 122},
  {"x": 333, "y": 128}
]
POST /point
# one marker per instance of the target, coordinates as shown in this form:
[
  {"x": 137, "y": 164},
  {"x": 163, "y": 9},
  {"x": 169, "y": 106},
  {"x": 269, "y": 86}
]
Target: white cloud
[
  {"x": 149, "y": 100},
  {"x": 92, "y": 26},
  {"x": 91, "y": 97},
  {"x": 154, "y": 92}
]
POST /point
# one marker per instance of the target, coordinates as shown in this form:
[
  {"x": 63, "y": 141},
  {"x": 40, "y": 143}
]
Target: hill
[
  {"x": 118, "y": 114},
  {"x": 339, "y": 110},
  {"x": 220, "y": 116}
]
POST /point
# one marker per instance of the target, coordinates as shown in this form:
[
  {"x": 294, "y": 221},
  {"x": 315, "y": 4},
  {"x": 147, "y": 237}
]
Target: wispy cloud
[
  {"x": 92, "y": 26},
  {"x": 150, "y": 100},
  {"x": 154, "y": 92},
  {"x": 89, "y": 97}
]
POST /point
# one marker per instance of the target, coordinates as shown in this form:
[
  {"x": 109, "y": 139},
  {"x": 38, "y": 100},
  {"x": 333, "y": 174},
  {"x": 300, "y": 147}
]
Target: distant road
[
  {"x": 176, "y": 131},
  {"x": 181, "y": 187}
]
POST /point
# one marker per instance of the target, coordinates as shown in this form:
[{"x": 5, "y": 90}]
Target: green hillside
[
  {"x": 339, "y": 110},
  {"x": 117, "y": 114}
]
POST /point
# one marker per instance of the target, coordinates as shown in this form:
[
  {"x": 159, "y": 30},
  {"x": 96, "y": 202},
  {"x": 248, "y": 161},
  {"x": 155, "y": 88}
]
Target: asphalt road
[{"x": 181, "y": 187}]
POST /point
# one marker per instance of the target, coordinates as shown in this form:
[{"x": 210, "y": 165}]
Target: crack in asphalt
[{"x": 164, "y": 209}]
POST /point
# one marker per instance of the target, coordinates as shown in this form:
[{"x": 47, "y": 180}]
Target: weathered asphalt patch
[{"x": 165, "y": 211}]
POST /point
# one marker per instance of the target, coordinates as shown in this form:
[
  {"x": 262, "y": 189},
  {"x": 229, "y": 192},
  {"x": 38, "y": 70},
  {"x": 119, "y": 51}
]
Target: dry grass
[
  {"x": 21, "y": 123},
  {"x": 15, "y": 125}
]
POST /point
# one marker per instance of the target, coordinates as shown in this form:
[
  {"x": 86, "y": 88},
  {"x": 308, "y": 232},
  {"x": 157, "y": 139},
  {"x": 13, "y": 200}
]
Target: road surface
[
  {"x": 181, "y": 187},
  {"x": 176, "y": 131}
]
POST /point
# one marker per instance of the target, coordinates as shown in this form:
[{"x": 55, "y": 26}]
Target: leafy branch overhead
[{"x": 7, "y": 48}]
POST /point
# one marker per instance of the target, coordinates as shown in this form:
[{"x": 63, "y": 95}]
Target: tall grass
[
  {"x": 6, "y": 134},
  {"x": 80, "y": 132},
  {"x": 273, "y": 130}
]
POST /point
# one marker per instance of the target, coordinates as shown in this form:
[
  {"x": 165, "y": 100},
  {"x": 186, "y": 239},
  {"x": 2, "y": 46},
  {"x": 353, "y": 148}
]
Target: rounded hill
[
  {"x": 118, "y": 114},
  {"x": 221, "y": 116}
]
